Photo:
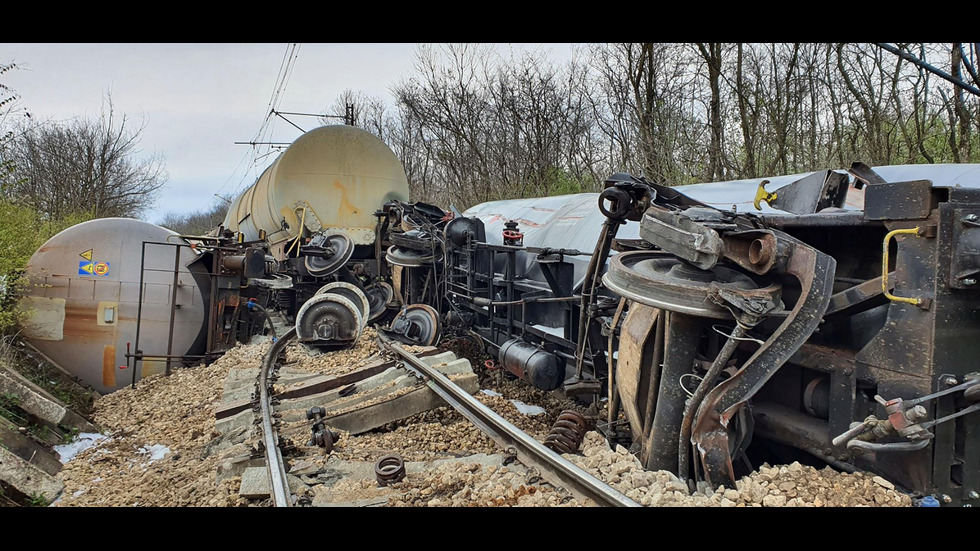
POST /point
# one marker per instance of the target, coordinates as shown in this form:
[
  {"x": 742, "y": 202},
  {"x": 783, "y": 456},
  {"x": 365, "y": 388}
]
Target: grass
[
  {"x": 10, "y": 497},
  {"x": 36, "y": 500},
  {"x": 16, "y": 356},
  {"x": 9, "y": 409}
]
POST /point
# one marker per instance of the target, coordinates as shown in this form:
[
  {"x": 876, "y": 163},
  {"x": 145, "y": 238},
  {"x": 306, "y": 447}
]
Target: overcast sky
[{"x": 197, "y": 100}]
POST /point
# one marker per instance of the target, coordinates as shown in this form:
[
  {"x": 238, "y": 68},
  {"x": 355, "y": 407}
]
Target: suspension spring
[
  {"x": 389, "y": 469},
  {"x": 567, "y": 433},
  {"x": 286, "y": 299}
]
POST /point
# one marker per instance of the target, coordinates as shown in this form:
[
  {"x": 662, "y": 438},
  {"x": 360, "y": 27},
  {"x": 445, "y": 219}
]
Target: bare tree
[
  {"x": 495, "y": 129},
  {"x": 471, "y": 126},
  {"x": 199, "y": 222},
  {"x": 641, "y": 107},
  {"x": 405, "y": 137},
  {"x": 356, "y": 108},
  {"x": 85, "y": 166},
  {"x": 712, "y": 55},
  {"x": 961, "y": 146},
  {"x": 448, "y": 103},
  {"x": 8, "y": 103}
]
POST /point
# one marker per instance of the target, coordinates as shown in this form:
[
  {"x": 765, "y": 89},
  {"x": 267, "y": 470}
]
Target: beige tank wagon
[{"x": 331, "y": 179}]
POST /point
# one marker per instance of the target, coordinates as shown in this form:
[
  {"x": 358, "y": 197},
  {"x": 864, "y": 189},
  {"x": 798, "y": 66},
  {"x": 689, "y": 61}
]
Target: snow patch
[
  {"x": 82, "y": 442},
  {"x": 526, "y": 409},
  {"x": 156, "y": 452}
]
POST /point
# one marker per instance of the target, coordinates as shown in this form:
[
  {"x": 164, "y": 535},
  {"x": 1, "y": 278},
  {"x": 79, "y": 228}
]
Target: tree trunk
[{"x": 711, "y": 52}]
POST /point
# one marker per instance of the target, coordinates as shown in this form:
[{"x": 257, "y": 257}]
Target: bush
[{"x": 22, "y": 232}]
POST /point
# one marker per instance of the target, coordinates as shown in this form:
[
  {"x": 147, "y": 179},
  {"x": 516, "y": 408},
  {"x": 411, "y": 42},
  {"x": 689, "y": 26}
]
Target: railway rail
[
  {"x": 552, "y": 466},
  {"x": 270, "y": 439},
  {"x": 549, "y": 465}
]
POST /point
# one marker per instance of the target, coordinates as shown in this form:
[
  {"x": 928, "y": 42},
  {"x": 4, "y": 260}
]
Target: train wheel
[{"x": 329, "y": 319}]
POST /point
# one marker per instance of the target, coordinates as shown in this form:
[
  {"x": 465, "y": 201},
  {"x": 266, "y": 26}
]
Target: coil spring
[
  {"x": 389, "y": 469},
  {"x": 285, "y": 299},
  {"x": 567, "y": 433}
]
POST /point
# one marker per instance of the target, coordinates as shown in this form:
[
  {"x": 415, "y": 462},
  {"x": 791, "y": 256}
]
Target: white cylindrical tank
[
  {"x": 85, "y": 293},
  {"x": 571, "y": 221},
  {"x": 332, "y": 177}
]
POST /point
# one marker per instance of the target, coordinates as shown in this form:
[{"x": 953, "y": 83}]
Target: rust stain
[
  {"x": 526, "y": 222},
  {"x": 81, "y": 322},
  {"x": 109, "y": 365},
  {"x": 345, "y": 205}
]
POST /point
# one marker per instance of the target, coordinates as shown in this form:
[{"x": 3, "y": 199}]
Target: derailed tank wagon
[
  {"x": 118, "y": 299},
  {"x": 827, "y": 317},
  {"x": 826, "y": 323}
]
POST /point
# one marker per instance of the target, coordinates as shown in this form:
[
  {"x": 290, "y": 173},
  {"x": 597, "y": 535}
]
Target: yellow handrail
[
  {"x": 884, "y": 266},
  {"x": 302, "y": 226}
]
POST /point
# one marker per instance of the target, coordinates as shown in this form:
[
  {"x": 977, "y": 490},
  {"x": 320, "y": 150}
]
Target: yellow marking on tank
[{"x": 87, "y": 255}]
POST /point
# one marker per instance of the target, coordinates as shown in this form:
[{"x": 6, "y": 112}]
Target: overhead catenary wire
[
  {"x": 282, "y": 80},
  {"x": 254, "y": 154}
]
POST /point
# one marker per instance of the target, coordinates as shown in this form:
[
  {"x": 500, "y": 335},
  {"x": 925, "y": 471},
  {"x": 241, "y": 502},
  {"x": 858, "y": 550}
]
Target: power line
[
  {"x": 285, "y": 70},
  {"x": 282, "y": 78}
]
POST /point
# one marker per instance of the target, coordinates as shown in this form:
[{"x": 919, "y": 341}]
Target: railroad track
[
  {"x": 270, "y": 439},
  {"x": 547, "y": 464}
]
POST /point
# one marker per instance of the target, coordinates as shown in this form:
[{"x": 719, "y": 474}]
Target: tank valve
[{"x": 511, "y": 235}]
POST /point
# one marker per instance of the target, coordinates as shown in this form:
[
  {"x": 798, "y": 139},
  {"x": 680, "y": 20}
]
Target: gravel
[{"x": 163, "y": 450}]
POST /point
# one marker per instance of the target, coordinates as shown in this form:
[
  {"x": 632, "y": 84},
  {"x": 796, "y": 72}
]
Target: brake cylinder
[{"x": 533, "y": 364}]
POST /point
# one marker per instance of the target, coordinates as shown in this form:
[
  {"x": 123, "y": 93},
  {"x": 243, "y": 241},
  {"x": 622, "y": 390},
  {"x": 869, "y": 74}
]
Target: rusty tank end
[
  {"x": 332, "y": 177},
  {"x": 85, "y": 296}
]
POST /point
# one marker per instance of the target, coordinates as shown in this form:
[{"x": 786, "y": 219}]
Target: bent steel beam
[{"x": 815, "y": 271}]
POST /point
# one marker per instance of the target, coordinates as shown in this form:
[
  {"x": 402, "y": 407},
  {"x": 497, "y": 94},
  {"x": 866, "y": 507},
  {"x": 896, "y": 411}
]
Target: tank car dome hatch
[
  {"x": 330, "y": 178},
  {"x": 85, "y": 298}
]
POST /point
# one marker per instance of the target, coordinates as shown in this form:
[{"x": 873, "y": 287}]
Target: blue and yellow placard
[{"x": 87, "y": 268}]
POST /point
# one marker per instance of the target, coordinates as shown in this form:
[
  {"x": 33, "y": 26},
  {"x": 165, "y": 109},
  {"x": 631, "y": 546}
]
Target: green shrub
[{"x": 22, "y": 232}]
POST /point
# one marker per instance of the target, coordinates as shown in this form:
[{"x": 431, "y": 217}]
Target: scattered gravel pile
[
  {"x": 163, "y": 450},
  {"x": 337, "y": 362},
  {"x": 474, "y": 485},
  {"x": 435, "y": 434},
  {"x": 443, "y": 432},
  {"x": 158, "y": 436},
  {"x": 793, "y": 485}
]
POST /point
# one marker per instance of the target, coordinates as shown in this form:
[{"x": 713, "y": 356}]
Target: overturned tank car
[
  {"x": 117, "y": 299},
  {"x": 821, "y": 317}
]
